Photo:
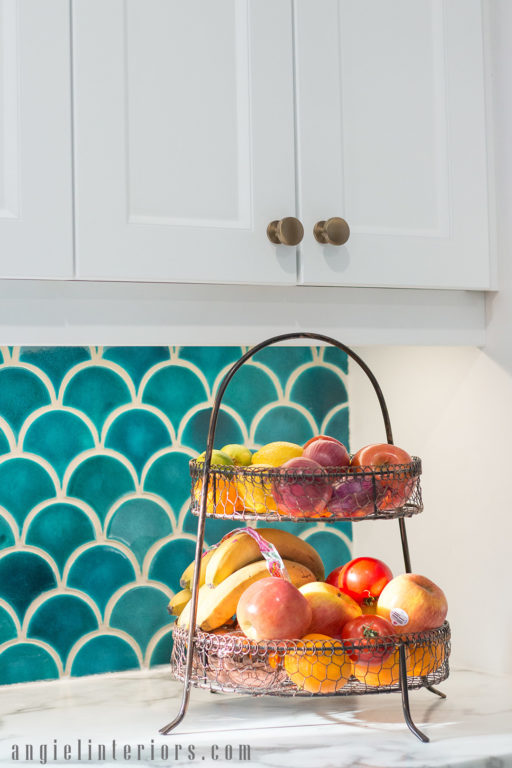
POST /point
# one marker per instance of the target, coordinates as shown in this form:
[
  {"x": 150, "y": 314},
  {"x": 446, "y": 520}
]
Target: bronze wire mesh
[
  {"x": 352, "y": 493},
  {"x": 227, "y": 661}
]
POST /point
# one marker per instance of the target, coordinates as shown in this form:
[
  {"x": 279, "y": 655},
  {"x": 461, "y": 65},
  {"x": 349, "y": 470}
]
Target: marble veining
[{"x": 472, "y": 727}]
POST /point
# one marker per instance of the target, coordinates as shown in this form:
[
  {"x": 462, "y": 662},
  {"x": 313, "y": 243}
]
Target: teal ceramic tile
[
  {"x": 115, "y": 454},
  {"x": 174, "y": 390},
  {"x": 250, "y": 390},
  {"x": 210, "y": 360},
  {"x": 335, "y": 551},
  {"x": 162, "y": 650},
  {"x": 21, "y": 393},
  {"x": 6, "y": 534},
  {"x": 318, "y": 390},
  {"x": 139, "y": 523},
  {"x": 96, "y": 391},
  {"x": 99, "y": 572},
  {"x": 58, "y": 436},
  {"x": 283, "y": 361},
  {"x": 337, "y": 426},
  {"x": 59, "y": 529},
  {"x": 4, "y": 443},
  {"x": 195, "y": 433},
  {"x": 24, "y": 662},
  {"x": 214, "y": 531},
  {"x": 170, "y": 561},
  {"x": 104, "y": 653},
  {"x": 100, "y": 481},
  {"x": 137, "y": 434},
  {"x": 8, "y": 629},
  {"x": 169, "y": 477},
  {"x": 136, "y": 361},
  {"x": 61, "y": 621},
  {"x": 284, "y": 423},
  {"x": 55, "y": 362},
  {"x": 23, "y": 577},
  {"x": 334, "y": 356},
  {"x": 140, "y": 613},
  {"x": 23, "y": 485}
]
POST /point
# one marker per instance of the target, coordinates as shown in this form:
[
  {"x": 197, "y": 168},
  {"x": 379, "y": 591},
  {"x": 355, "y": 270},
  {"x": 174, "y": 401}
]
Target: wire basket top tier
[
  {"x": 352, "y": 493},
  {"x": 248, "y": 494}
]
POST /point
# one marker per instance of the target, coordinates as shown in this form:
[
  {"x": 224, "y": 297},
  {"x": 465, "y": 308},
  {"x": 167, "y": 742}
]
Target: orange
[
  {"x": 423, "y": 659},
  {"x": 322, "y": 667},
  {"x": 226, "y": 496},
  {"x": 385, "y": 672}
]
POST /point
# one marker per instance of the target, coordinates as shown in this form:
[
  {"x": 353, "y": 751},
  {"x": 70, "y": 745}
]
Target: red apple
[
  {"x": 303, "y": 488},
  {"x": 412, "y": 603},
  {"x": 327, "y": 452},
  {"x": 330, "y": 607},
  {"x": 395, "y": 485},
  {"x": 273, "y": 609}
]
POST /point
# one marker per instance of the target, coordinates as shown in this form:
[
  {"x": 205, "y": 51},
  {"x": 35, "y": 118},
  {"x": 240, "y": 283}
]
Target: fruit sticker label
[
  {"x": 398, "y": 617},
  {"x": 275, "y": 564}
]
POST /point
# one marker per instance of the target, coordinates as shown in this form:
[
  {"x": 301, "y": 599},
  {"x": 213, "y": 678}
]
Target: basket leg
[
  {"x": 434, "y": 690},
  {"x": 405, "y": 698},
  {"x": 193, "y": 613}
]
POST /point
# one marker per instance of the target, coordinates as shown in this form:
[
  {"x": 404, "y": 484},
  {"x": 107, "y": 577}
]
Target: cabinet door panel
[
  {"x": 184, "y": 139},
  {"x": 35, "y": 140},
  {"x": 395, "y": 91}
]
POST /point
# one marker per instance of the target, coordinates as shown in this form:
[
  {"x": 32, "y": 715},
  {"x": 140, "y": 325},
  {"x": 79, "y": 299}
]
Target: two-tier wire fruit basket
[{"x": 225, "y": 660}]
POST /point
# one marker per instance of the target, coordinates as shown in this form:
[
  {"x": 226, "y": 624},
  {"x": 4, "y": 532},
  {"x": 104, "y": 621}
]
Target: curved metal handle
[
  {"x": 334, "y": 231},
  {"x": 287, "y": 231}
]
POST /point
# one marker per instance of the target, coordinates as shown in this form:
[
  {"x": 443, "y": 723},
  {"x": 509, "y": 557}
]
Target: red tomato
[
  {"x": 367, "y": 632},
  {"x": 363, "y": 579}
]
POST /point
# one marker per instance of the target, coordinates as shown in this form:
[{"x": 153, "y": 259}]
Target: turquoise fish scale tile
[
  {"x": 60, "y": 621},
  {"x": 21, "y": 393},
  {"x": 94, "y": 518}
]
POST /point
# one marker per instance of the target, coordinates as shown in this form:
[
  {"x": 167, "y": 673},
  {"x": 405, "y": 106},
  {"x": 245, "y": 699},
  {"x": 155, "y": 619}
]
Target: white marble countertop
[{"x": 472, "y": 727}]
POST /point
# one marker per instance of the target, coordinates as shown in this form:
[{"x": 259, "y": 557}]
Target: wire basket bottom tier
[{"x": 230, "y": 663}]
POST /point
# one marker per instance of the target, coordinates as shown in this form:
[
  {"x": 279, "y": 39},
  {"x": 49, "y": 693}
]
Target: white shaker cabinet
[
  {"x": 184, "y": 139},
  {"x": 197, "y": 123},
  {"x": 36, "y": 226},
  {"x": 391, "y": 137}
]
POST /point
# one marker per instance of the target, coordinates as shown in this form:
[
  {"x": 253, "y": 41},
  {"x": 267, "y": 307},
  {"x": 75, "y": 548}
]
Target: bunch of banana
[
  {"x": 216, "y": 605},
  {"x": 179, "y": 601},
  {"x": 241, "y": 549},
  {"x": 188, "y": 574},
  {"x": 235, "y": 564}
]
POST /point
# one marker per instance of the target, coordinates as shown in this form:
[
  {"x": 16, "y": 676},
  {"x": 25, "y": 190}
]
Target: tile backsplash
[{"x": 94, "y": 487}]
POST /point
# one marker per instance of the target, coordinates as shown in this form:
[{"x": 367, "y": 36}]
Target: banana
[
  {"x": 188, "y": 573},
  {"x": 241, "y": 549},
  {"x": 179, "y": 601},
  {"x": 216, "y": 605}
]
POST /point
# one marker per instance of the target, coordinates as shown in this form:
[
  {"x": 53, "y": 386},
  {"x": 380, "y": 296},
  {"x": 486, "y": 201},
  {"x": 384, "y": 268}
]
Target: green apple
[
  {"x": 241, "y": 455},
  {"x": 218, "y": 457}
]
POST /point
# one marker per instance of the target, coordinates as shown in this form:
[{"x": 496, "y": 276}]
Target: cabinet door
[
  {"x": 391, "y": 137},
  {"x": 184, "y": 139},
  {"x": 35, "y": 140}
]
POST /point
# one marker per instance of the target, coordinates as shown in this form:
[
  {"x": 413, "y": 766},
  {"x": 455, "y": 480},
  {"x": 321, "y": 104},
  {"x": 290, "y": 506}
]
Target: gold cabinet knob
[
  {"x": 287, "y": 231},
  {"x": 334, "y": 231}
]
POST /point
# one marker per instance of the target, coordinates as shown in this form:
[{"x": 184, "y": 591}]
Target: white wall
[{"x": 453, "y": 407}]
